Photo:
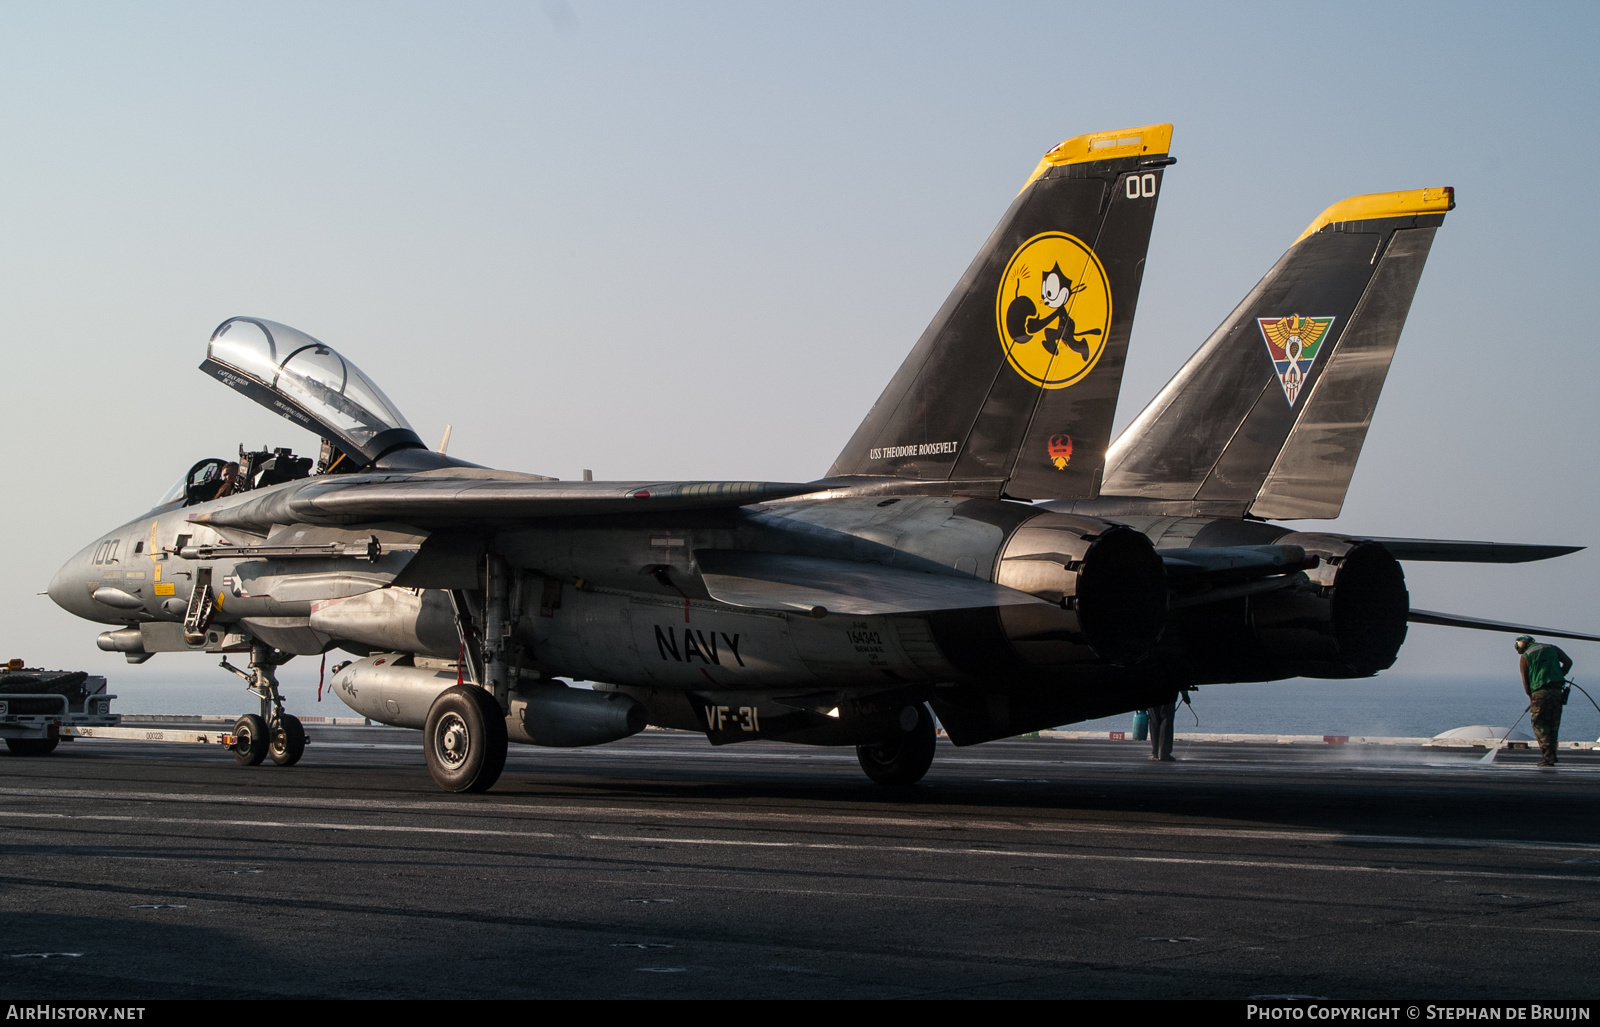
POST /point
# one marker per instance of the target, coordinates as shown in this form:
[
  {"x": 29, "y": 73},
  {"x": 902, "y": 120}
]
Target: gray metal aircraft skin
[
  {"x": 834, "y": 612},
  {"x": 629, "y": 604}
]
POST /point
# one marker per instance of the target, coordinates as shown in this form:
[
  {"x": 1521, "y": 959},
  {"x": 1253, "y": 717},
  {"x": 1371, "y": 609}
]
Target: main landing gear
[
  {"x": 271, "y": 733},
  {"x": 903, "y": 758},
  {"x": 465, "y": 739}
]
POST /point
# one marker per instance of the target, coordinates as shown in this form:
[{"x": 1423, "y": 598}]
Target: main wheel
[
  {"x": 250, "y": 740},
  {"x": 288, "y": 741},
  {"x": 465, "y": 739},
  {"x": 31, "y": 746},
  {"x": 903, "y": 759}
]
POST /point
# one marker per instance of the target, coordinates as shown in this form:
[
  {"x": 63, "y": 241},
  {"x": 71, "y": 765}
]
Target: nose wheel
[
  {"x": 250, "y": 740},
  {"x": 288, "y": 742},
  {"x": 271, "y": 733},
  {"x": 255, "y": 740}
]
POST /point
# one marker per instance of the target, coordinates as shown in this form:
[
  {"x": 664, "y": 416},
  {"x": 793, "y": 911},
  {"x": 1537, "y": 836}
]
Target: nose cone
[{"x": 68, "y": 588}]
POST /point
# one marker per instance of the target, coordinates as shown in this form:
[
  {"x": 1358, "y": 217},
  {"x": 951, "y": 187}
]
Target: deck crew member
[
  {"x": 1161, "y": 718},
  {"x": 1544, "y": 678}
]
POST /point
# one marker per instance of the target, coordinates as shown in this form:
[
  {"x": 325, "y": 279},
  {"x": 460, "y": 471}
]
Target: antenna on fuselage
[{"x": 444, "y": 440}]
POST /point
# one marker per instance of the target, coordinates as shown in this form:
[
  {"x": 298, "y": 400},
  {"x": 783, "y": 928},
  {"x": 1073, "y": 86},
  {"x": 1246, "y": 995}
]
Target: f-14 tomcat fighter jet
[{"x": 974, "y": 551}]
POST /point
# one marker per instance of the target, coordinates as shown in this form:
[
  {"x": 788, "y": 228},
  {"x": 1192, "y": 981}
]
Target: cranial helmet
[{"x": 1523, "y": 641}]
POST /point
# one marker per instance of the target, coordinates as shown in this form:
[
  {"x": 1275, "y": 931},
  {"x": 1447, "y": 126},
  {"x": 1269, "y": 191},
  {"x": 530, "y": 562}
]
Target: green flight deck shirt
[{"x": 1544, "y": 665}]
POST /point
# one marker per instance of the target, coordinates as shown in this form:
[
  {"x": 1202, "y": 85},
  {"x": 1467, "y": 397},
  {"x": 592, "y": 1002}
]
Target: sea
[{"x": 1406, "y": 706}]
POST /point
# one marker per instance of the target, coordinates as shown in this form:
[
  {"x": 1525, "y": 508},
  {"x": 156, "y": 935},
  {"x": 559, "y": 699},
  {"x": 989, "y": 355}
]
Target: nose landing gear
[{"x": 272, "y": 732}]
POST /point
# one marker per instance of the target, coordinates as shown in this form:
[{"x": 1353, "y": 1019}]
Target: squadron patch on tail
[
  {"x": 1056, "y": 344},
  {"x": 1293, "y": 343},
  {"x": 1060, "y": 450}
]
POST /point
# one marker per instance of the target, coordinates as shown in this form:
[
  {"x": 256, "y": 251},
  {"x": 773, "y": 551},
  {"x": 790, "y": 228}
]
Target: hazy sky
[{"x": 692, "y": 240}]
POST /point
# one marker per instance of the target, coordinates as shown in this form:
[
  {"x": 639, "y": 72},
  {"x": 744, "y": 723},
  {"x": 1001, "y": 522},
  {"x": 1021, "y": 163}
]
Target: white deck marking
[
  {"x": 745, "y": 818},
  {"x": 1535, "y": 930},
  {"x": 1249, "y": 864},
  {"x": 1366, "y": 762},
  {"x": 308, "y": 824},
  {"x": 919, "y": 850}
]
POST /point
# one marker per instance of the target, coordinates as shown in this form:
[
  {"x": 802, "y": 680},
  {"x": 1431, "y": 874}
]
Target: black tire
[
  {"x": 250, "y": 740},
  {"x": 288, "y": 741},
  {"x": 465, "y": 739},
  {"x": 904, "y": 758},
  {"x": 32, "y": 746}
]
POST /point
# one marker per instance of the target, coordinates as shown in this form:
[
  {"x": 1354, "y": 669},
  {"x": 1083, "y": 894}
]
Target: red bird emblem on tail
[{"x": 1060, "y": 450}]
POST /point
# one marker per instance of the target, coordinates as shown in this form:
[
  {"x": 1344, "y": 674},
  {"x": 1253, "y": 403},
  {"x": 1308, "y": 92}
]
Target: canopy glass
[{"x": 306, "y": 381}]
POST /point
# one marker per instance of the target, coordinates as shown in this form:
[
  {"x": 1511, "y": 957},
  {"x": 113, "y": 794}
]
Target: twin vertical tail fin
[
  {"x": 1014, "y": 384},
  {"x": 1271, "y": 412}
]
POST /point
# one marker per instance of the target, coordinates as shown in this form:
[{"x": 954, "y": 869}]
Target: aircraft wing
[
  {"x": 773, "y": 581},
  {"x": 431, "y": 501},
  {"x": 1451, "y": 620},
  {"x": 1447, "y": 551}
]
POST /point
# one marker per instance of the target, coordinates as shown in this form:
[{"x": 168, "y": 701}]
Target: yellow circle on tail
[{"x": 1053, "y": 310}]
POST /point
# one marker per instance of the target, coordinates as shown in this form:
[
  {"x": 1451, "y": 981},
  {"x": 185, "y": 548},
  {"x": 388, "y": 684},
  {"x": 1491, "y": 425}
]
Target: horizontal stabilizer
[
  {"x": 772, "y": 581},
  {"x": 1450, "y": 620},
  {"x": 429, "y": 501},
  {"x": 1445, "y": 551}
]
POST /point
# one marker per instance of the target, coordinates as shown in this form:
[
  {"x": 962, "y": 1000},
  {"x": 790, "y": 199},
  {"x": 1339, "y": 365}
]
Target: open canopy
[{"x": 308, "y": 382}]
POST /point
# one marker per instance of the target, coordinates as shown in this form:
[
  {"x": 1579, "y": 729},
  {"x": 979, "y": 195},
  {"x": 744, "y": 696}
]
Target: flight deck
[{"x": 659, "y": 866}]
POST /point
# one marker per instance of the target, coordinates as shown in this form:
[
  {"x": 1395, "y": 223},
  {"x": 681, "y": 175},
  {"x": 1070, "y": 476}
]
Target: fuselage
[
  {"x": 616, "y": 599},
  {"x": 621, "y": 600}
]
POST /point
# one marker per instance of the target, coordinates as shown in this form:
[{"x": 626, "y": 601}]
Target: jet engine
[
  {"x": 1344, "y": 618},
  {"x": 1105, "y": 584},
  {"x": 1356, "y": 622},
  {"x": 398, "y": 689}
]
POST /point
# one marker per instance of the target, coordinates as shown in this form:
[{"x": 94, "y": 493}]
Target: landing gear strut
[
  {"x": 272, "y": 732},
  {"x": 905, "y": 757},
  {"x": 464, "y": 738}
]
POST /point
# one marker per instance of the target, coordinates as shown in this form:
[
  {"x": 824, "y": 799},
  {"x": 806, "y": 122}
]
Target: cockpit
[
  {"x": 311, "y": 384},
  {"x": 215, "y": 477}
]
